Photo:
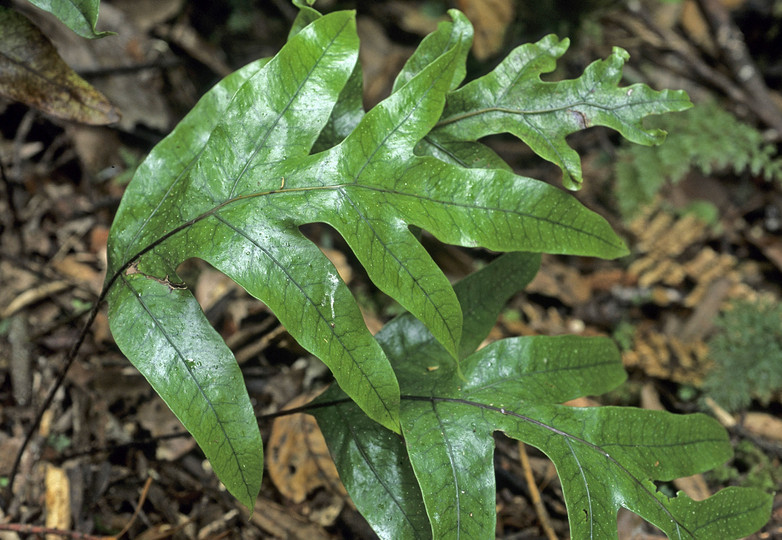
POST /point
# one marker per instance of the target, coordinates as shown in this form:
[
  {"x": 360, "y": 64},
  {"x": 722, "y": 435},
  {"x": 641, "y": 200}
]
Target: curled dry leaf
[
  {"x": 34, "y": 74},
  {"x": 298, "y": 458}
]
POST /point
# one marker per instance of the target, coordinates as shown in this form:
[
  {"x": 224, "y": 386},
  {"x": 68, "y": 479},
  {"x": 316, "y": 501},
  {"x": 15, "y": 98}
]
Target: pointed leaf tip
[{"x": 81, "y": 16}]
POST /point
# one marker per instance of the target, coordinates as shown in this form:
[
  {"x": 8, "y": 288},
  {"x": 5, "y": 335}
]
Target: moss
[
  {"x": 747, "y": 354},
  {"x": 707, "y": 138}
]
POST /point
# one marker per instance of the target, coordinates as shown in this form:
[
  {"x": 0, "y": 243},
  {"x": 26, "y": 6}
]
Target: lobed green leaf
[
  {"x": 606, "y": 457},
  {"x": 183, "y": 202},
  {"x": 373, "y": 462},
  {"x": 187, "y": 363},
  {"x": 285, "y": 142},
  {"x": 513, "y": 99}
]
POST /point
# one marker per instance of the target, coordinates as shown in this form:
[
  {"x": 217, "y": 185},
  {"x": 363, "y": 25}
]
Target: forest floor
[{"x": 702, "y": 246}]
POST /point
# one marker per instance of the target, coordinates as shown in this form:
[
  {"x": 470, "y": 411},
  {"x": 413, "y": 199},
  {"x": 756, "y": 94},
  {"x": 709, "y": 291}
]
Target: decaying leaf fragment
[
  {"x": 33, "y": 73},
  {"x": 298, "y": 458}
]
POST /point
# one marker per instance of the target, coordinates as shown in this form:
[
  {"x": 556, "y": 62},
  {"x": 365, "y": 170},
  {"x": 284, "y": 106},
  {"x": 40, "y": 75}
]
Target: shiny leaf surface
[
  {"x": 373, "y": 462},
  {"x": 234, "y": 188},
  {"x": 606, "y": 457},
  {"x": 284, "y": 142},
  {"x": 513, "y": 99}
]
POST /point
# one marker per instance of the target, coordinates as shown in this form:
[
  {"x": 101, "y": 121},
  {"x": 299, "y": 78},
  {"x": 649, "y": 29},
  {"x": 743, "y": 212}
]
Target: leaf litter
[{"x": 126, "y": 466}]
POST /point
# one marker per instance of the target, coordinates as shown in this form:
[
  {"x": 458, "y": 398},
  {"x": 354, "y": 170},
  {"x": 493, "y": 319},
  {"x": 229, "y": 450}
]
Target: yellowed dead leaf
[
  {"x": 33, "y": 73},
  {"x": 58, "y": 500},
  {"x": 155, "y": 416},
  {"x": 298, "y": 458},
  {"x": 490, "y": 18}
]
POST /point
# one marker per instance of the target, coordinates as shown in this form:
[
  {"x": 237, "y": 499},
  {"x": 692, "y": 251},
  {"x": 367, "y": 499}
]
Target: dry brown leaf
[
  {"x": 414, "y": 18},
  {"x": 606, "y": 279},
  {"x": 282, "y": 522},
  {"x": 139, "y": 94},
  {"x": 490, "y": 18},
  {"x": 694, "y": 486},
  {"x": 186, "y": 37},
  {"x": 381, "y": 59},
  {"x": 212, "y": 286},
  {"x": 146, "y": 14},
  {"x": 97, "y": 147},
  {"x": 157, "y": 418},
  {"x": 765, "y": 425},
  {"x": 374, "y": 324},
  {"x": 34, "y": 74},
  {"x": 582, "y": 402},
  {"x": 696, "y": 28},
  {"x": 79, "y": 272},
  {"x": 158, "y": 532},
  {"x": 31, "y": 296},
  {"x": 9, "y": 447},
  {"x": 650, "y": 398},
  {"x": 563, "y": 282},
  {"x": 667, "y": 357},
  {"x": 298, "y": 458}
]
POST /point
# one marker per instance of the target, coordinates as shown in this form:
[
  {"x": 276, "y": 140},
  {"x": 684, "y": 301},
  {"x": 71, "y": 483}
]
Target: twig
[
  {"x": 139, "y": 504},
  {"x": 540, "y": 509},
  {"x": 21, "y": 361},
  {"x": 45, "y": 273},
  {"x": 9, "y": 195},
  {"x": 50, "y": 397},
  {"x": 665, "y": 39},
  {"x": 23, "y": 528},
  {"x": 149, "y": 440},
  {"x": 738, "y": 59},
  {"x": 95, "y": 73},
  {"x": 37, "y": 529}
]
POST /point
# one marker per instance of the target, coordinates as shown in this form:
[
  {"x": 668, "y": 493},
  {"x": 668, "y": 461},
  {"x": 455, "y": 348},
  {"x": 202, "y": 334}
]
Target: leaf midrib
[
  {"x": 567, "y": 436},
  {"x": 323, "y": 318},
  {"x": 436, "y": 306},
  {"x": 205, "y": 398},
  {"x": 197, "y": 156},
  {"x": 357, "y": 440},
  {"x": 547, "y": 372},
  {"x": 524, "y": 112},
  {"x": 155, "y": 243},
  {"x": 293, "y": 98}
]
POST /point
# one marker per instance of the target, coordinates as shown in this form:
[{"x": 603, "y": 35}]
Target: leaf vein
[
  {"x": 182, "y": 359},
  {"x": 356, "y": 364}
]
